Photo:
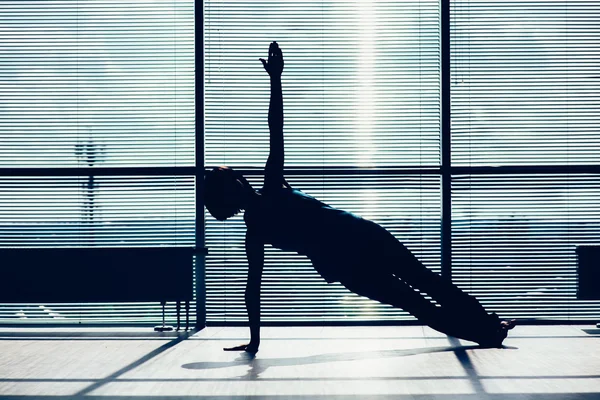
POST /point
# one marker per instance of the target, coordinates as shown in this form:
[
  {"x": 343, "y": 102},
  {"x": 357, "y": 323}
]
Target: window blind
[
  {"x": 91, "y": 84},
  {"x": 101, "y": 83},
  {"x": 360, "y": 85},
  {"x": 525, "y": 95},
  {"x": 116, "y": 211},
  {"x": 361, "y": 91},
  {"x": 525, "y": 83},
  {"x": 514, "y": 241}
]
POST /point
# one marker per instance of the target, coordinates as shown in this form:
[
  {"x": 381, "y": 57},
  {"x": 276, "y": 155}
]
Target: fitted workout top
[{"x": 334, "y": 240}]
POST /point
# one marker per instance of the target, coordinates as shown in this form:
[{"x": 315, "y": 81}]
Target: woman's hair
[{"x": 221, "y": 193}]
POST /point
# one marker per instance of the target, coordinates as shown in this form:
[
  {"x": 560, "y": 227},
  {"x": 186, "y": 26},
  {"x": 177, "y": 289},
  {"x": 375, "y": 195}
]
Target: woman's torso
[{"x": 336, "y": 241}]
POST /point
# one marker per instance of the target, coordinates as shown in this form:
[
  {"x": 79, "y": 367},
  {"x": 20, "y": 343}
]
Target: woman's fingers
[
  {"x": 236, "y": 348},
  {"x": 274, "y": 62}
]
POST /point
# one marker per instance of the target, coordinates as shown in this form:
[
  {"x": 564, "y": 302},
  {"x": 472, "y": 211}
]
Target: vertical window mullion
[{"x": 446, "y": 134}]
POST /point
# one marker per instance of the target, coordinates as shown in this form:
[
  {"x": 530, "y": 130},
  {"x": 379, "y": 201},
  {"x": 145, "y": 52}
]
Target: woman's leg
[
  {"x": 449, "y": 296},
  {"x": 389, "y": 289}
]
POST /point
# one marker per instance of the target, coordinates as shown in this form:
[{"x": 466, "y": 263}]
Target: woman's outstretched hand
[
  {"x": 249, "y": 348},
  {"x": 274, "y": 65}
]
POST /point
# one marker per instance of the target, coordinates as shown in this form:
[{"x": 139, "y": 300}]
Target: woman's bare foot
[
  {"x": 508, "y": 325},
  {"x": 500, "y": 334}
]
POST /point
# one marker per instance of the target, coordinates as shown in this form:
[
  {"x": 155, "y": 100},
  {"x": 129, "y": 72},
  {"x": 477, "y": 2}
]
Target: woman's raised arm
[{"x": 274, "y": 167}]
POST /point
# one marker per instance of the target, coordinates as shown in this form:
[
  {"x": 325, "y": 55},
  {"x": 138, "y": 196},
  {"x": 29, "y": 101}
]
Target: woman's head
[{"x": 224, "y": 192}]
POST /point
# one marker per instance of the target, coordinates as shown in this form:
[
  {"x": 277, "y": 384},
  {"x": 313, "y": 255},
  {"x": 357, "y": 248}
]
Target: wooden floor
[{"x": 408, "y": 362}]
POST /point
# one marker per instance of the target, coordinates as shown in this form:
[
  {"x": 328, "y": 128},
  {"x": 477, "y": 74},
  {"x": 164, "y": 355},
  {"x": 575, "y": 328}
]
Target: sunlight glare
[{"x": 366, "y": 92}]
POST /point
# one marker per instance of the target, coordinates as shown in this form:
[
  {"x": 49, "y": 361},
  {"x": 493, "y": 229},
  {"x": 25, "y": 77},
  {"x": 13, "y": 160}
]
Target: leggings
[{"x": 400, "y": 280}]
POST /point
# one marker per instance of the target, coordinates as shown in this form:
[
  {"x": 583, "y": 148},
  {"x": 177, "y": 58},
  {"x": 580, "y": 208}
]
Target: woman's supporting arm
[{"x": 255, "y": 254}]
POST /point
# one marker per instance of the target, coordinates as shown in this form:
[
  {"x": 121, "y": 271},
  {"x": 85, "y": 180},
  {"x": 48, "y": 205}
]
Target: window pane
[
  {"x": 361, "y": 82},
  {"x": 96, "y": 83},
  {"x": 514, "y": 240},
  {"x": 95, "y": 212},
  {"x": 525, "y": 84}
]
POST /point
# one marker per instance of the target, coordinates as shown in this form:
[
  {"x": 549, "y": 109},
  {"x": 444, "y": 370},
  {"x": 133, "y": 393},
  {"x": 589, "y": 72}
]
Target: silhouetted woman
[{"x": 343, "y": 247}]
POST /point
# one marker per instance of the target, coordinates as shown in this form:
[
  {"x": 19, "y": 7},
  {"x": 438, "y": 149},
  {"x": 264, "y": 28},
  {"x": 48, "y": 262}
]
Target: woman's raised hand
[{"x": 274, "y": 65}]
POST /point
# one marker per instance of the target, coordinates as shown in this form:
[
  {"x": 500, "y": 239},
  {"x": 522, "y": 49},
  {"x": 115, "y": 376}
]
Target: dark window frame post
[
  {"x": 446, "y": 166},
  {"x": 200, "y": 269}
]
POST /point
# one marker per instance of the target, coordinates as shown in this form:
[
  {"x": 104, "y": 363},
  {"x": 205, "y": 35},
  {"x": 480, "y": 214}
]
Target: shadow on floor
[
  {"x": 259, "y": 365},
  {"x": 593, "y": 331}
]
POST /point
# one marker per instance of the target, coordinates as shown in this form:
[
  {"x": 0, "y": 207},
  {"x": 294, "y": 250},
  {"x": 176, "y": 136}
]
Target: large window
[
  {"x": 95, "y": 95},
  {"x": 98, "y": 139}
]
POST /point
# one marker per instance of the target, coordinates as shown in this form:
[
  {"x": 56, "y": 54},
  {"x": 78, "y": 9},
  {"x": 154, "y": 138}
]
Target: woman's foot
[
  {"x": 508, "y": 325},
  {"x": 499, "y": 335}
]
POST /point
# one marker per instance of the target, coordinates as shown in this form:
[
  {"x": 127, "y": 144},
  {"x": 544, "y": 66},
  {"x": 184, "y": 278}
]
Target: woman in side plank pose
[{"x": 343, "y": 247}]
